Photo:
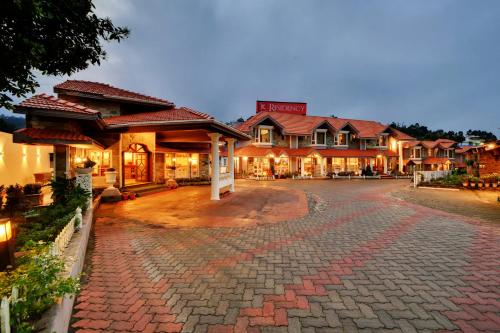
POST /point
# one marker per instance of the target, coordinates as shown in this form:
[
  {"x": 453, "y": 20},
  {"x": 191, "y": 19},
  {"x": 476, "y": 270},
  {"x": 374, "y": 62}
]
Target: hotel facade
[
  {"x": 286, "y": 141},
  {"x": 148, "y": 140}
]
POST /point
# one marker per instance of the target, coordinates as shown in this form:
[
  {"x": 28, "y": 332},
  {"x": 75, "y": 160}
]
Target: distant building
[{"x": 472, "y": 140}]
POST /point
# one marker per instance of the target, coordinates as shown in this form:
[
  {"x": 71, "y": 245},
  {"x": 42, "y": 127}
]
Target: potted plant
[
  {"x": 465, "y": 181},
  {"x": 85, "y": 167},
  {"x": 480, "y": 183},
  {"x": 496, "y": 180},
  {"x": 131, "y": 195},
  {"x": 473, "y": 181},
  {"x": 125, "y": 195},
  {"x": 110, "y": 175},
  {"x": 487, "y": 181},
  {"x": 33, "y": 194}
]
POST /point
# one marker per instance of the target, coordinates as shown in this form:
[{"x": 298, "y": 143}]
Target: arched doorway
[{"x": 136, "y": 164}]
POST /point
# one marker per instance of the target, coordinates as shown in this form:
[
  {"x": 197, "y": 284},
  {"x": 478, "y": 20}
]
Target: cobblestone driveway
[{"x": 360, "y": 261}]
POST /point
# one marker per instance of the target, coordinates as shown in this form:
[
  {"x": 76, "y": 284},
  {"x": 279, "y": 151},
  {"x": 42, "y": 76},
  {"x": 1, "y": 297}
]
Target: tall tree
[
  {"x": 55, "y": 37},
  {"x": 421, "y": 132}
]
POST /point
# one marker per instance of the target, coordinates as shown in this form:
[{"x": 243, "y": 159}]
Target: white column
[
  {"x": 302, "y": 166},
  {"x": 215, "y": 165},
  {"x": 323, "y": 162},
  {"x": 385, "y": 163},
  {"x": 230, "y": 156},
  {"x": 400, "y": 153}
]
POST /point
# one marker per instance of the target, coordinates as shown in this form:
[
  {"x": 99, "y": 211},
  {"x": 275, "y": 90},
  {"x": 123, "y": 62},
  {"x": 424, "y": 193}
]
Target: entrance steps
[
  {"x": 145, "y": 189},
  {"x": 386, "y": 177}
]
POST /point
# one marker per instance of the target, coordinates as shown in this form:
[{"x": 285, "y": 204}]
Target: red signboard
[{"x": 282, "y": 107}]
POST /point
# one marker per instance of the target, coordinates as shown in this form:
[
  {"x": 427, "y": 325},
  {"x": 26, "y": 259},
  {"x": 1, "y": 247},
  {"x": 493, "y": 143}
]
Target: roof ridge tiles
[{"x": 70, "y": 85}]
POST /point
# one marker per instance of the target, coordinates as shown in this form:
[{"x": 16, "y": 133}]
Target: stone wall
[
  {"x": 488, "y": 162},
  {"x": 204, "y": 166},
  {"x": 159, "y": 168}
]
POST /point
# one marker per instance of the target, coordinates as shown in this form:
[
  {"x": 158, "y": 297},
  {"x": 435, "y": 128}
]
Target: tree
[
  {"x": 421, "y": 132},
  {"x": 486, "y": 136},
  {"x": 55, "y": 37},
  {"x": 10, "y": 124}
]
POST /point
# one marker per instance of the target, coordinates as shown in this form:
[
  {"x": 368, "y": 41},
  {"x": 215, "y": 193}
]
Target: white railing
[
  {"x": 5, "y": 310},
  {"x": 56, "y": 248},
  {"x": 427, "y": 176},
  {"x": 225, "y": 180},
  {"x": 62, "y": 240}
]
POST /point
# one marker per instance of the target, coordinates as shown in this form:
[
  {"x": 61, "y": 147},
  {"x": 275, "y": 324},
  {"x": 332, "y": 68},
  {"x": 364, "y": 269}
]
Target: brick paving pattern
[{"x": 360, "y": 261}]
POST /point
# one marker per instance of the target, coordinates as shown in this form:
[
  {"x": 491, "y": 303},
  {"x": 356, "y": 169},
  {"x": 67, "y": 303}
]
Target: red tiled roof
[
  {"x": 464, "y": 149},
  {"x": 304, "y": 125},
  {"x": 436, "y": 160},
  {"x": 46, "y": 134},
  {"x": 46, "y": 102},
  {"x": 429, "y": 144},
  {"x": 182, "y": 113},
  {"x": 298, "y": 152},
  {"x": 106, "y": 90},
  {"x": 401, "y": 135},
  {"x": 356, "y": 153},
  {"x": 253, "y": 151}
]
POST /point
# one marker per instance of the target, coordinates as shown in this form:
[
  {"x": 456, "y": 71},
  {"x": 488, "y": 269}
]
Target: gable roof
[
  {"x": 48, "y": 135},
  {"x": 107, "y": 91},
  {"x": 304, "y": 125},
  {"x": 182, "y": 113},
  {"x": 51, "y": 103}
]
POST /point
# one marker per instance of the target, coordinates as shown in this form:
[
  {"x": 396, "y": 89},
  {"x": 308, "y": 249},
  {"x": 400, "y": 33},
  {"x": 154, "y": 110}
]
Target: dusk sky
[{"x": 432, "y": 62}]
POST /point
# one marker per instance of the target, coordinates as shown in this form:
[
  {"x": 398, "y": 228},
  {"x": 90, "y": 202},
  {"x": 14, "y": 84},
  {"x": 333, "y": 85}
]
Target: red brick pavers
[{"x": 360, "y": 261}]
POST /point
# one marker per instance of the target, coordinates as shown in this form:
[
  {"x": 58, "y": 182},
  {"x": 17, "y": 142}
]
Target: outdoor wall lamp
[{"x": 6, "y": 246}]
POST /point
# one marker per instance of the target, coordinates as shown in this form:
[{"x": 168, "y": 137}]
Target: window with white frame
[
  {"x": 264, "y": 134},
  {"x": 341, "y": 138},
  {"x": 319, "y": 137},
  {"x": 417, "y": 152},
  {"x": 451, "y": 153}
]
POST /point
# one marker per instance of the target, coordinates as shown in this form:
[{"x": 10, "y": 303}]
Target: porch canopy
[{"x": 186, "y": 130}]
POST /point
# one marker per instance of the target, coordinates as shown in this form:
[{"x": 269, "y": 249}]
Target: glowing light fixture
[{"x": 6, "y": 246}]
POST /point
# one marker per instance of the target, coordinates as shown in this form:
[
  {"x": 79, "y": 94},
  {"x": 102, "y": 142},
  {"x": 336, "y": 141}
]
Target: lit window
[
  {"x": 341, "y": 139},
  {"x": 382, "y": 141}
]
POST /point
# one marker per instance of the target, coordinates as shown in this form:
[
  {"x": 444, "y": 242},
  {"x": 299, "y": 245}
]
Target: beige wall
[{"x": 19, "y": 162}]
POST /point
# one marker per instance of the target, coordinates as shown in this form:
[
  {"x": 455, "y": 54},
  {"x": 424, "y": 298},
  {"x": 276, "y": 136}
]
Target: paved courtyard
[{"x": 359, "y": 260}]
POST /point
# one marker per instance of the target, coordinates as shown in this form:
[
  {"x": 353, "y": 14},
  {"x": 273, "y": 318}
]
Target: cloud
[{"x": 432, "y": 62}]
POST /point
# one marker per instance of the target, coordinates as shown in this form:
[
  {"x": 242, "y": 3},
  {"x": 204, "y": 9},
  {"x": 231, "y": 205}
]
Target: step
[{"x": 146, "y": 189}]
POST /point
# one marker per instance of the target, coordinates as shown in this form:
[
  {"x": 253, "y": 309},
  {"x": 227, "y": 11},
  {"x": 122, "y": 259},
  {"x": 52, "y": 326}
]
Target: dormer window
[
  {"x": 341, "y": 138},
  {"x": 451, "y": 153},
  {"x": 319, "y": 137},
  {"x": 264, "y": 135},
  {"x": 382, "y": 139},
  {"x": 417, "y": 152}
]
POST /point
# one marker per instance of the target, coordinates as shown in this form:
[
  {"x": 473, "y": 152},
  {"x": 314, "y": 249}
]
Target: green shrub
[
  {"x": 30, "y": 189},
  {"x": 40, "y": 283},
  {"x": 49, "y": 221}
]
